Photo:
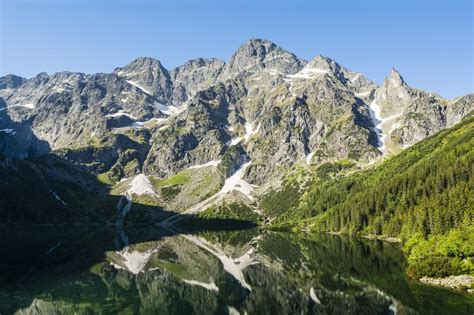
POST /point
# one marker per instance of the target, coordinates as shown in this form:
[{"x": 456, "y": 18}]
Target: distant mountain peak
[
  {"x": 322, "y": 62},
  {"x": 254, "y": 49},
  {"x": 259, "y": 42},
  {"x": 142, "y": 63},
  {"x": 11, "y": 81},
  {"x": 395, "y": 77},
  {"x": 148, "y": 60},
  {"x": 261, "y": 53}
]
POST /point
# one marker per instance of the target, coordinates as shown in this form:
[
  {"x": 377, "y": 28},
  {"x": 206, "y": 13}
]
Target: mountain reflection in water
[{"x": 143, "y": 270}]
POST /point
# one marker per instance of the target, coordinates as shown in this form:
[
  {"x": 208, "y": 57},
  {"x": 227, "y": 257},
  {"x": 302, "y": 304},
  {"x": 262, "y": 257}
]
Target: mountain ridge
[{"x": 263, "y": 112}]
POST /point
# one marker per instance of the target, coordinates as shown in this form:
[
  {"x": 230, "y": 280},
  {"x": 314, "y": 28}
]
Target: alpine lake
[{"x": 152, "y": 270}]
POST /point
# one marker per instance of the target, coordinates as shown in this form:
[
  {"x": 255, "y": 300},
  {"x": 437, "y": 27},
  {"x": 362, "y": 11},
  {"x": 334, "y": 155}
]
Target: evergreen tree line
[{"x": 425, "y": 193}]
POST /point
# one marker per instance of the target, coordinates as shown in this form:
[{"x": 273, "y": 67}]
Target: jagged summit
[
  {"x": 263, "y": 96},
  {"x": 395, "y": 77},
  {"x": 145, "y": 61},
  {"x": 257, "y": 44},
  {"x": 261, "y": 53},
  {"x": 394, "y": 95},
  {"x": 11, "y": 81},
  {"x": 322, "y": 62},
  {"x": 394, "y": 86},
  {"x": 149, "y": 75},
  {"x": 141, "y": 64}
]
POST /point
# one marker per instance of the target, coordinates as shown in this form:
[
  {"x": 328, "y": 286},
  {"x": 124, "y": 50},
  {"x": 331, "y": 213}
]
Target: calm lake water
[{"x": 143, "y": 270}]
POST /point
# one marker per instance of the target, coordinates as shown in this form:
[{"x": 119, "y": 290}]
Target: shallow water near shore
[{"x": 147, "y": 270}]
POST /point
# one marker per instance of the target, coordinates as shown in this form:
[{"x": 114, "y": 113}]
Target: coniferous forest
[{"x": 422, "y": 196}]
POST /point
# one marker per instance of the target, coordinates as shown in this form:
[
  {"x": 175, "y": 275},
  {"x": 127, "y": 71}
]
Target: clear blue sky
[{"x": 429, "y": 42}]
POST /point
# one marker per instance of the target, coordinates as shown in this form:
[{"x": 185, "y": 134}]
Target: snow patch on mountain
[
  {"x": 135, "y": 84},
  {"x": 357, "y": 76},
  {"x": 374, "y": 112},
  {"x": 170, "y": 110},
  {"x": 119, "y": 114},
  {"x": 234, "y": 141},
  {"x": 208, "y": 286},
  {"x": 236, "y": 182},
  {"x": 232, "y": 183},
  {"x": 307, "y": 73},
  {"x": 309, "y": 157},
  {"x": 213, "y": 163},
  {"x": 141, "y": 185},
  {"x": 28, "y": 105},
  {"x": 362, "y": 94},
  {"x": 250, "y": 130},
  {"x": 381, "y": 124}
]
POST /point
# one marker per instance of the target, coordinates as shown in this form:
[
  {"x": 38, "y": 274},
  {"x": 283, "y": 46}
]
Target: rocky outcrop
[
  {"x": 463, "y": 282},
  {"x": 459, "y": 108},
  {"x": 11, "y": 81},
  {"x": 407, "y": 115},
  {"x": 149, "y": 76},
  {"x": 258, "y": 54},
  {"x": 194, "y": 76}
]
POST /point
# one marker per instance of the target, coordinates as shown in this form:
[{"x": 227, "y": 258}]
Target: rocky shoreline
[
  {"x": 382, "y": 238},
  {"x": 462, "y": 282}
]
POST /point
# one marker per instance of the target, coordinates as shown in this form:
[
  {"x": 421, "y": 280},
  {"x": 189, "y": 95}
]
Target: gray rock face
[
  {"x": 409, "y": 115},
  {"x": 194, "y": 76},
  {"x": 195, "y": 136},
  {"x": 265, "y": 105},
  {"x": 263, "y": 54},
  {"x": 149, "y": 76},
  {"x": 11, "y": 81},
  {"x": 70, "y": 110},
  {"x": 394, "y": 95},
  {"x": 459, "y": 108}
]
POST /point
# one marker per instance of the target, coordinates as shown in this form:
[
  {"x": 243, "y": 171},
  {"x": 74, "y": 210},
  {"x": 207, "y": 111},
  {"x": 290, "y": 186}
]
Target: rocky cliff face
[
  {"x": 265, "y": 107},
  {"x": 407, "y": 115},
  {"x": 11, "y": 81}
]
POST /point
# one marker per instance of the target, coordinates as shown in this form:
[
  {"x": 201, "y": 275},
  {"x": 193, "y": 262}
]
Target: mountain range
[{"x": 204, "y": 133}]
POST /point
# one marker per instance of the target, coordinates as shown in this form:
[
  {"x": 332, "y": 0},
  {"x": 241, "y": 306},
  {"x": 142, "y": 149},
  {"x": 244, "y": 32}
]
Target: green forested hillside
[{"x": 425, "y": 196}]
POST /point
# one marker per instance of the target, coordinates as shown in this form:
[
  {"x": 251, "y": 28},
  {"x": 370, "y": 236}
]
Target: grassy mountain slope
[
  {"x": 423, "y": 196},
  {"x": 49, "y": 190}
]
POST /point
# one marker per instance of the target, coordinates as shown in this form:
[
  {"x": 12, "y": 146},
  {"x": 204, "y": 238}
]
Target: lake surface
[{"x": 144, "y": 270}]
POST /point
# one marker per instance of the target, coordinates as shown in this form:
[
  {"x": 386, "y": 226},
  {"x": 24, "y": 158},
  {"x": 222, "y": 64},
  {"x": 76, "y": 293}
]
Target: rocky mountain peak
[
  {"x": 258, "y": 45},
  {"x": 395, "y": 78},
  {"x": 394, "y": 87},
  {"x": 148, "y": 75},
  {"x": 144, "y": 62},
  {"x": 394, "y": 95},
  {"x": 322, "y": 62},
  {"x": 260, "y": 53},
  {"x": 141, "y": 66},
  {"x": 255, "y": 50},
  {"x": 354, "y": 81},
  {"x": 11, "y": 81},
  {"x": 41, "y": 76}
]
